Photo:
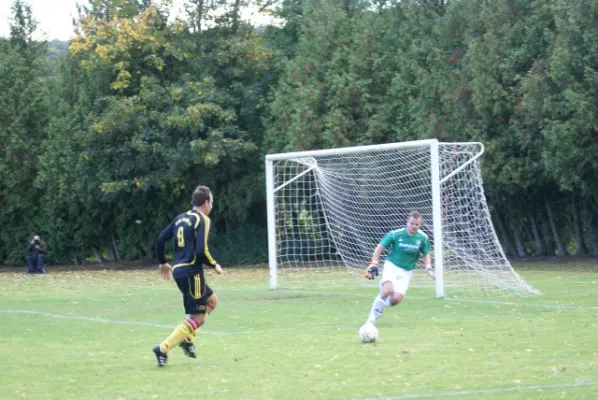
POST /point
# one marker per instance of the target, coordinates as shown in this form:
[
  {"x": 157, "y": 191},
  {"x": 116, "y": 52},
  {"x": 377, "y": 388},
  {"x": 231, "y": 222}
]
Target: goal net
[{"x": 328, "y": 209}]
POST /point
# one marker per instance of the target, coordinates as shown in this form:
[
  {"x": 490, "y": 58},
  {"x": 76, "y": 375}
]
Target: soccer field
[{"x": 89, "y": 334}]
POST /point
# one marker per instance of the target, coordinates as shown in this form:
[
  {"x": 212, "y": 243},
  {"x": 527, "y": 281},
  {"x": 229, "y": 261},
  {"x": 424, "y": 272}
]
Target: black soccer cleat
[
  {"x": 161, "y": 357},
  {"x": 188, "y": 348}
]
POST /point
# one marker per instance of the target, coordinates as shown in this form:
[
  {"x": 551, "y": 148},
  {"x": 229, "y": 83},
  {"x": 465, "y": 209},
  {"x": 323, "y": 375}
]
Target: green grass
[{"x": 88, "y": 335}]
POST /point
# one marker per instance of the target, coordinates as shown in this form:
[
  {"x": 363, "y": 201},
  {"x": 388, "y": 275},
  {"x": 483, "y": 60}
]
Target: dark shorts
[{"x": 195, "y": 293}]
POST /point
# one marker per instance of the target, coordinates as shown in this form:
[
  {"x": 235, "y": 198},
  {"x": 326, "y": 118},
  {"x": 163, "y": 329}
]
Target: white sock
[{"x": 377, "y": 309}]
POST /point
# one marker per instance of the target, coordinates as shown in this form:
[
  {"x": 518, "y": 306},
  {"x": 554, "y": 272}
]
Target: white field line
[
  {"x": 474, "y": 392},
  {"x": 326, "y": 293},
  {"x": 350, "y": 291},
  {"x": 133, "y": 287},
  {"x": 244, "y": 331},
  {"x": 102, "y": 320},
  {"x": 373, "y": 295},
  {"x": 153, "y": 325}
]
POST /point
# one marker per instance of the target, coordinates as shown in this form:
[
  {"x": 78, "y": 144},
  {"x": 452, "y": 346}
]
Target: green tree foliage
[
  {"x": 466, "y": 70},
  {"x": 100, "y": 152},
  {"x": 23, "y": 118},
  {"x": 146, "y": 110},
  {"x": 317, "y": 100}
]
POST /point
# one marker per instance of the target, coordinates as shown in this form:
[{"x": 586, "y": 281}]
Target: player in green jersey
[{"x": 406, "y": 245}]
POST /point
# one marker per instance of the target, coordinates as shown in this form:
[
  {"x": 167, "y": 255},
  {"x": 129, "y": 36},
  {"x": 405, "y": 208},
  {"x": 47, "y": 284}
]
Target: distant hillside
[{"x": 56, "y": 49}]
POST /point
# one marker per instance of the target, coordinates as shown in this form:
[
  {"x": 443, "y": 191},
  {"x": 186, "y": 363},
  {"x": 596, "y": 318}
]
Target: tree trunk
[
  {"x": 548, "y": 243},
  {"x": 593, "y": 233},
  {"x": 196, "y": 14},
  {"x": 580, "y": 246},
  {"x": 506, "y": 241},
  {"x": 149, "y": 251},
  {"x": 114, "y": 248},
  {"x": 236, "y": 15},
  {"x": 519, "y": 247},
  {"x": 561, "y": 252},
  {"x": 199, "y": 16},
  {"x": 536, "y": 236},
  {"x": 97, "y": 255}
]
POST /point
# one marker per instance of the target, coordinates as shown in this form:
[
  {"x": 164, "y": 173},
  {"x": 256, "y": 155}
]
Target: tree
[
  {"x": 22, "y": 128},
  {"x": 317, "y": 102}
]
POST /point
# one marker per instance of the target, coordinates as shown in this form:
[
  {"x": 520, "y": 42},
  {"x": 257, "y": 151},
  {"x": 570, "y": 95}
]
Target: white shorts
[{"x": 399, "y": 278}]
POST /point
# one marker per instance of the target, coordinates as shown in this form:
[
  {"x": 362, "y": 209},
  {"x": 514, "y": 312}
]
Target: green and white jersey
[{"x": 405, "y": 249}]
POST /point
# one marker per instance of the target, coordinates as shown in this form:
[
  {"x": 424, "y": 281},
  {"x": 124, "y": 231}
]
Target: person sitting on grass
[{"x": 37, "y": 253}]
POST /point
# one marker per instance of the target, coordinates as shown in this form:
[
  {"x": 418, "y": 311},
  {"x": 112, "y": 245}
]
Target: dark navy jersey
[{"x": 190, "y": 231}]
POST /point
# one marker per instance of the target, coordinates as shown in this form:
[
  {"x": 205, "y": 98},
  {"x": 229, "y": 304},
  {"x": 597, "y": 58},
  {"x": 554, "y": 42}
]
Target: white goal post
[{"x": 327, "y": 210}]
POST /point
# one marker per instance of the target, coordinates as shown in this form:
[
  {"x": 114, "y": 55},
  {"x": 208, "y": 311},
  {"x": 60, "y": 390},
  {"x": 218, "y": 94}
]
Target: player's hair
[
  {"x": 200, "y": 196},
  {"x": 414, "y": 214}
]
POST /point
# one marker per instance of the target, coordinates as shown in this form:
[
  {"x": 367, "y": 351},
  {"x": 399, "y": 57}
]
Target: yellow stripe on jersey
[
  {"x": 197, "y": 220},
  {"x": 184, "y": 264},
  {"x": 205, "y": 241}
]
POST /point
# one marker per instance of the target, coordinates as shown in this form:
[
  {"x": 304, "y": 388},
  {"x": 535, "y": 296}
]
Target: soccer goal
[{"x": 328, "y": 209}]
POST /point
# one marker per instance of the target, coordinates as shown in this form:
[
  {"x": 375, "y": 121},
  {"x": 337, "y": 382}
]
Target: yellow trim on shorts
[{"x": 197, "y": 284}]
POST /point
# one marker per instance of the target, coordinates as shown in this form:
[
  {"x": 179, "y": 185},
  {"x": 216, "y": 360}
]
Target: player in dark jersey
[{"x": 190, "y": 231}]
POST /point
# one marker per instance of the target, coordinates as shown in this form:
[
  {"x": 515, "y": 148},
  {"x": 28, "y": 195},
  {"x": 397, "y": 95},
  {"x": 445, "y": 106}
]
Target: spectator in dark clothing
[{"x": 37, "y": 253}]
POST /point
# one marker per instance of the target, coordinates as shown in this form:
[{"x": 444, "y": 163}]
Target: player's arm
[
  {"x": 377, "y": 253},
  {"x": 202, "y": 251},
  {"x": 425, "y": 249},
  {"x": 428, "y": 266},
  {"x": 163, "y": 237},
  {"x": 371, "y": 270}
]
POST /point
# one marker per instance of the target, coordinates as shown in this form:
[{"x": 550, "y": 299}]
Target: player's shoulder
[
  {"x": 398, "y": 231},
  {"x": 200, "y": 216},
  {"x": 193, "y": 213},
  {"x": 422, "y": 234},
  {"x": 178, "y": 217}
]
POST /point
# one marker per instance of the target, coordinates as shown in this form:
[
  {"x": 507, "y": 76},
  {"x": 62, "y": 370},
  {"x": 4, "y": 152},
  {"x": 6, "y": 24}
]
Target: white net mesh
[{"x": 332, "y": 210}]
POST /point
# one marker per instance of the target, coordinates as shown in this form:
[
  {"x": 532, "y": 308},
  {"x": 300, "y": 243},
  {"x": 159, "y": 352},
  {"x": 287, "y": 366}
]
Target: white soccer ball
[{"x": 368, "y": 333}]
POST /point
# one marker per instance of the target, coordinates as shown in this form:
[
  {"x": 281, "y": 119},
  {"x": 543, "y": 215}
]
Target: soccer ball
[{"x": 368, "y": 333}]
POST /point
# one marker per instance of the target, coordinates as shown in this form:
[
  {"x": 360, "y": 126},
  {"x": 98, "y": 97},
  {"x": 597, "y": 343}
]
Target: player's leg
[
  {"x": 190, "y": 287},
  {"x": 400, "y": 286},
  {"x": 207, "y": 302},
  {"x": 212, "y": 301},
  {"x": 31, "y": 264},
  {"x": 41, "y": 262},
  {"x": 188, "y": 345},
  {"x": 386, "y": 288},
  {"x": 396, "y": 298}
]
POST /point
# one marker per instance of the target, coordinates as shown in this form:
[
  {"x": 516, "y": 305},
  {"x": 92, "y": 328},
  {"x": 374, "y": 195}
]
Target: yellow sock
[
  {"x": 191, "y": 337},
  {"x": 183, "y": 330}
]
